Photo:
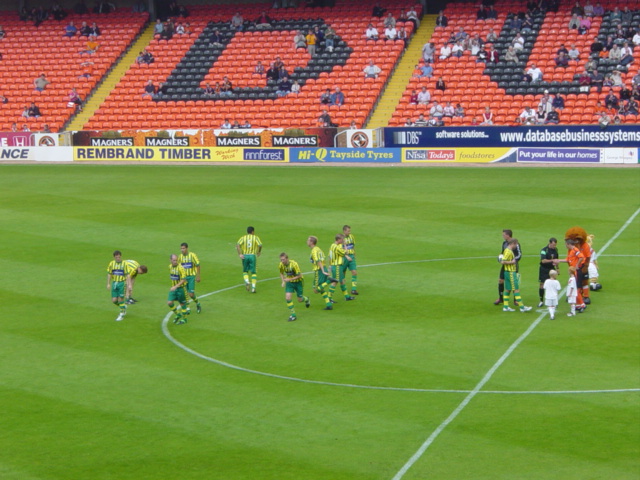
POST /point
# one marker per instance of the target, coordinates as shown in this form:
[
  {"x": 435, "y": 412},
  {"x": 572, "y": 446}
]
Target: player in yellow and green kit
[
  {"x": 177, "y": 292},
  {"x": 322, "y": 281},
  {"x": 511, "y": 279},
  {"x": 337, "y": 257},
  {"x": 350, "y": 248},
  {"x": 132, "y": 269},
  {"x": 117, "y": 281},
  {"x": 191, "y": 264},
  {"x": 293, "y": 283},
  {"x": 249, "y": 247}
]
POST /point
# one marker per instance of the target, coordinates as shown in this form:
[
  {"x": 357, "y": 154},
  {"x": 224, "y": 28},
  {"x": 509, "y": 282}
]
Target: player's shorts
[
  {"x": 582, "y": 278},
  {"x": 191, "y": 283},
  {"x": 593, "y": 270},
  {"x": 551, "y": 302},
  {"x": 350, "y": 264},
  {"x": 501, "y": 274},
  {"x": 178, "y": 295},
  {"x": 544, "y": 274},
  {"x": 117, "y": 289},
  {"x": 249, "y": 263},
  {"x": 294, "y": 287},
  {"x": 337, "y": 271},
  {"x": 511, "y": 281},
  {"x": 320, "y": 278}
]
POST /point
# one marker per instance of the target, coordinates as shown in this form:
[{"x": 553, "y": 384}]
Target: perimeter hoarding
[
  {"x": 535, "y": 136},
  {"x": 345, "y": 155},
  {"x": 181, "y": 154},
  {"x": 458, "y": 155}
]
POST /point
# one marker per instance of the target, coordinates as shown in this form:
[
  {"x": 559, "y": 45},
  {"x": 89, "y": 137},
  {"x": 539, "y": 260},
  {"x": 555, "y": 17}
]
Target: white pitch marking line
[{"x": 427, "y": 443}]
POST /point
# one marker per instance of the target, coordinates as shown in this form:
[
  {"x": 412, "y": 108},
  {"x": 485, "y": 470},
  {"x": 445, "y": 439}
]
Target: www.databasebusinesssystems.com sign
[{"x": 534, "y": 136}]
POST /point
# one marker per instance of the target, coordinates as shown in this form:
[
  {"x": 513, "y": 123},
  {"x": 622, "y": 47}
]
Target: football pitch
[{"x": 421, "y": 377}]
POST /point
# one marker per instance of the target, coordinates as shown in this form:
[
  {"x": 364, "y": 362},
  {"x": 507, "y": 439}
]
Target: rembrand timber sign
[{"x": 182, "y": 154}]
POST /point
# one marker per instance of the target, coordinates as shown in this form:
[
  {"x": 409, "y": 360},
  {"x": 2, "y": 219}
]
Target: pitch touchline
[
  {"x": 177, "y": 343},
  {"x": 427, "y": 443}
]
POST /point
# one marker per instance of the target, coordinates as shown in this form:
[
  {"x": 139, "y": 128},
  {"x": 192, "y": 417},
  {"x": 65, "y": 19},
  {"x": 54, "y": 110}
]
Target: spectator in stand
[
  {"x": 337, "y": 98},
  {"x": 546, "y": 102},
  {"x": 630, "y": 107},
  {"x": 440, "y": 84},
  {"x": 329, "y": 38},
  {"x": 237, "y": 22},
  {"x": 94, "y": 29},
  {"x": 541, "y": 116},
  {"x": 487, "y": 117},
  {"x": 41, "y": 82},
  {"x": 325, "y": 119},
  {"x": 272, "y": 72},
  {"x": 527, "y": 117},
  {"x": 226, "y": 125},
  {"x": 635, "y": 81},
  {"x": 553, "y": 117},
  {"x": 459, "y": 111},
  {"x": 14, "y": 127},
  {"x": 284, "y": 87},
  {"x": 574, "y": 22},
  {"x": 442, "y": 20},
  {"x": 408, "y": 123},
  {"x": 70, "y": 30},
  {"x": 597, "y": 80},
  {"x": 75, "y": 100},
  {"x": 180, "y": 29},
  {"x": 421, "y": 121},
  {"x": 514, "y": 23},
  {"x": 448, "y": 110},
  {"x": 424, "y": 97},
  {"x": 604, "y": 120},
  {"x": 573, "y": 53},
  {"x": 636, "y": 38},
  {"x": 33, "y": 111},
  {"x": 511, "y": 56},
  {"x": 445, "y": 51},
  {"x": 85, "y": 30},
  {"x": 145, "y": 57},
  {"x": 208, "y": 90},
  {"x": 518, "y": 42},
  {"x": 259, "y": 69},
  {"x": 158, "y": 27},
  {"x": 562, "y": 49},
  {"x": 25, "y": 128},
  {"x": 635, "y": 93},
  {"x": 371, "y": 70},
  {"x": 372, "y": 32},
  {"x": 319, "y": 38},
  {"x": 616, "y": 79},
  {"x": 626, "y": 16},
  {"x": 389, "y": 21},
  {"x": 424, "y": 70},
  {"x": 149, "y": 89},
  {"x": 3, "y": 34},
  {"x": 226, "y": 88},
  {"x": 598, "y": 10},
  {"x": 562, "y": 60},
  {"x": 91, "y": 47},
  {"x": 458, "y": 49},
  {"x": 585, "y": 25},
  {"x": 429, "y": 52},
  {"x": 527, "y": 25},
  {"x": 413, "y": 98},
  {"x": 295, "y": 87},
  {"x": 412, "y": 16},
  {"x": 577, "y": 10},
  {"x": 167, "y": 31},
  {"x": 481, "y": 14},
  {"x": 216, "y": 39},
  {"x": 4, "y": 99},
  {"x": 616, "y": 16},
  {"x": 402, "y": 35},
  {"x": 436, "y": 110},
  {"x": 311, "y": 42},
  {"x": 492, "y": 55},
  {"x": 611, "y": 101},
  {"x": 535, "y": 73},
  {"x": 263, "y": 21},
  {"x": 492, "y": 14},
  {"x": 627, "y": 55},
  {"x": 325, "y": 98},
  {"x": 588, "y": 9},
  {"x": 390, "y": 33},
  {"x": 491, "y": 36},
  {"x": 378, "y": 11}
]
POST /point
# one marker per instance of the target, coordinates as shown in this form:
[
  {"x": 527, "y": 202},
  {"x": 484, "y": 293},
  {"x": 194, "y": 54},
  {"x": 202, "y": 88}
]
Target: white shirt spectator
[
  {"x": 457, "y": 50},
  {"x": 390, "y": 33},
  {"x": 536, "y": 73},
  {"x": 371, "y": 70},
  {"x": 372, "y": 33},
  {"x": 436, "y": 110},
  {"x": 424, "y": 97},
  {"x": 527, "y": 117},
  {"x": 445, "y": 51},
  {"x": 518, "y": 42},
  {"x": 574, "y": 53},
  {"x": 636, "y": 39}
]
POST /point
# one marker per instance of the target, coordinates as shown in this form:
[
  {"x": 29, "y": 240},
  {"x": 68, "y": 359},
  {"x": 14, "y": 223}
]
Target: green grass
[{"x": 84, "y": 397}]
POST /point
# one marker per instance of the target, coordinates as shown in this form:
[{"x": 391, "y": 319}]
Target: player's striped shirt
[
  {"x": 250, "y": 244},
  {"x": 350, "y": 244},
  {"x": 131, "y": 268},
  {"x": 189, "y": 262},
  {"x": 317, "y": 256},
  {"x": 507, "y": 256},
  {"x": 336, "y": 254},
  {"x": 117, "y": 271},
  {"x": 176, "y": 274},
  {"x": 291, "y": 270}
]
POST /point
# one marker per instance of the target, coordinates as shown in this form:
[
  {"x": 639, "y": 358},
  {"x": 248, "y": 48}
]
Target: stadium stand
[
  {"x": 475, "y": 84},
  {"x": 28, "y": 51},
  {"x": 186, "y": 63}
]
